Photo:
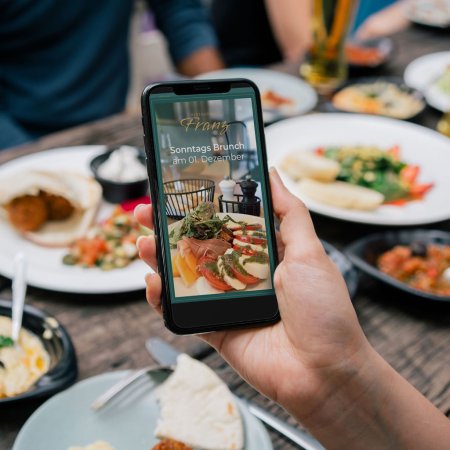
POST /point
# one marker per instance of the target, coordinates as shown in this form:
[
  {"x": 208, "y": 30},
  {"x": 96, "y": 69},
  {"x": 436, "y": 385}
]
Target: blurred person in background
[
  {"x": 261, "y": 32},
  {"x": 378, "y": 18},
  {"x": 66, "y": 63}
]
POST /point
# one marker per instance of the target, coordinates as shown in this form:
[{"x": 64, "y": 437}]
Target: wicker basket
[
  {"x": 183, "y": 196},
  {"x": 239, "y": 207}
]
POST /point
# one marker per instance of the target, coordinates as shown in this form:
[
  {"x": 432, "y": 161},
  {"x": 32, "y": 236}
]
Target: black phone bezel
[{"x": 218, "y": 314}]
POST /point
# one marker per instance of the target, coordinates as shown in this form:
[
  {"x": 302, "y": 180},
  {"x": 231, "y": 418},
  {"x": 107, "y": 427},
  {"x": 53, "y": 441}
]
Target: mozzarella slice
[
  {"x": 258, "y": 270},
  {"x": 233, "y": 282},
  {"x": 258, "y": 248},
  {"x": 257, "y": 233}
]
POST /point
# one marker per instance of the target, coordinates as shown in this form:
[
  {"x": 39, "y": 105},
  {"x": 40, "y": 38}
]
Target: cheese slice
[{"x": 198, "y": 409}]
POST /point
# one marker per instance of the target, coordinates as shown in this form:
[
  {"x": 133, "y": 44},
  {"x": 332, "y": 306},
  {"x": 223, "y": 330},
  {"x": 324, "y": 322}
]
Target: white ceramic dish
[
  {"x": 419, "y": 145},
  {"x": 45, "y": 267},
  {"x": 182, "y": 290},
  {"x": 422, "y": 73},
  {"x": 66, "y": 420},
  {"x": 304, "y": 97}
]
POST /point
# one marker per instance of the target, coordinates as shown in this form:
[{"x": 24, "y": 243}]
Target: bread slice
[
  {"x": 198, "y": 409},
  {"x": 305, "y": 164},
  {"x": 341, "y": 194}
]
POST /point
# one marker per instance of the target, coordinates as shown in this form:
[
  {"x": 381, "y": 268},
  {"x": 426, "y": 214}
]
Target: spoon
[{"x": 19, "y": 289}]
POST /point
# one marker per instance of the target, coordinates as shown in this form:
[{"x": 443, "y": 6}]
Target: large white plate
[
  {"x": 419, "y": 145},
  {"x": 45, "y": 267},
  {"x": 183, "y": 291},
  {"x": 66, "y": 420},
  {"x": 303, "y": 95},
  {"x": 423, "y": 72}
]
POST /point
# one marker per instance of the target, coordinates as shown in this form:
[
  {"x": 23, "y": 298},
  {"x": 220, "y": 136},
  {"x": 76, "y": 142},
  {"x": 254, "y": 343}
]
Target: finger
[
  {"x": 296, "y": 228},
  {"x": 147, "y": 250},
  {"x": 153, "y": 291},
  {"x": 144, "y": 215}
]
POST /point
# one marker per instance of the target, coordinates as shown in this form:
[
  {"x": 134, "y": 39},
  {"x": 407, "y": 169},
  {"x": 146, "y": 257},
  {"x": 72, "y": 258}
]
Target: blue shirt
[
  {"x": 367, "y": 8},
  {"x": 63, "y": 63}
]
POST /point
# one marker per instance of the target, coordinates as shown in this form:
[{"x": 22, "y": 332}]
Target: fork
[{"x": 101, "y": 401}]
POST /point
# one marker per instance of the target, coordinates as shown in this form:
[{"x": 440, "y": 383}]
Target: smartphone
[{"x": 212, "y": 209}]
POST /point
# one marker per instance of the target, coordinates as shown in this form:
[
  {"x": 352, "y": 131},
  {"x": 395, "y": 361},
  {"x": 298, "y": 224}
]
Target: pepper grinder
[{"x": 250, "y": 203}]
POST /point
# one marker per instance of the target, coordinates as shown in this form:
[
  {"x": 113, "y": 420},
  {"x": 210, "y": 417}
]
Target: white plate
[
  {"x": 423, "y": 72},
  {"x": 434, "y": 13},
  {"x": 66, "y": 420},
  {"x": 303, "y": 95},
  {"x": 183, "y": 291},
  {"x": 45, "y": 267},
  {"x": 419, "y": 145}
]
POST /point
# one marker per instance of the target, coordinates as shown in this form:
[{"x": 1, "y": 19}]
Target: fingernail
[
  {"x": 138, "y": 207},
  {"x": 149, "y": 276},
  {"x": 140, "y": 238}
]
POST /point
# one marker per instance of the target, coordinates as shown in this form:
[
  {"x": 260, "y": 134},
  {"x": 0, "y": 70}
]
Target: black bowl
[
  {"x": 348, "y": 271},
  {"x": 365, "y": 252},
  {"x": 63, "y": 370},
  {"x": 398, "y": 81},
  {"x": 116, "y": 192}
]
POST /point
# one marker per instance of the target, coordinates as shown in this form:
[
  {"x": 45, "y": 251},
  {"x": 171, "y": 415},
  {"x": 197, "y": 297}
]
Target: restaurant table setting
[{"x": 375, "y": 175}]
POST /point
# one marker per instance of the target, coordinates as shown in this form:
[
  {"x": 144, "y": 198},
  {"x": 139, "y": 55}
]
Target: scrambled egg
[{"x": 21, "y": 367}]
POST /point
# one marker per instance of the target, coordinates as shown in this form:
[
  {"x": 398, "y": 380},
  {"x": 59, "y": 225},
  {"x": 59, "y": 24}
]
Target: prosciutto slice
[{"x": 208, "y": 247}]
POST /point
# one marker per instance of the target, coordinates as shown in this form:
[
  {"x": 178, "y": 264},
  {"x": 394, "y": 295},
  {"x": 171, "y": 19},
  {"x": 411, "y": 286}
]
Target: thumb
[{"x": 296, "y": 227}]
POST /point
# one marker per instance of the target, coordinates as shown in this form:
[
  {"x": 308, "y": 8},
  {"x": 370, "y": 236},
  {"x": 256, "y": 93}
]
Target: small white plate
[
  {"x": 419, "y": 145},
  {"x": 422, "y": 73},
  {"x": 44, "y": 265},
  {"x": 66, "y": 420},
  {"x": 183, "y": 291},
  {"x": 303, "y": 96}
]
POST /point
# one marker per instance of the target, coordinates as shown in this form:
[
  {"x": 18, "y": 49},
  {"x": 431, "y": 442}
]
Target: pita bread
[
  {"x": 83, "y": 192},
  {"x": 198, "y": 409}
]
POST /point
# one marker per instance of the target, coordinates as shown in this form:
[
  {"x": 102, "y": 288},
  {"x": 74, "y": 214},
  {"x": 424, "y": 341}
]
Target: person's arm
[
  {"x": 11, "y": 133},
  {"x": 191, "y": 37},
  {"x": 316, "y": 362},
  {"x": 388, "y": 21},
  {"x": 291, "y": 26}
]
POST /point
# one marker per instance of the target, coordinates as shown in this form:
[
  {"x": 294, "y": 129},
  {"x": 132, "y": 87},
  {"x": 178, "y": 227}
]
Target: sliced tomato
[
  {"x": 400, "y": 202},
  {"x": 253, "y": 227},
  {"x": 410, "y": 174},
  {"x": 245, "y": 278},
  {"x": 419, "y": 190},
  {"x": 215, "y": 281},
  {"x": 394, "y": 152},
  {"x": 244, "y": 250},
  {"x": 251, "y": 239}
]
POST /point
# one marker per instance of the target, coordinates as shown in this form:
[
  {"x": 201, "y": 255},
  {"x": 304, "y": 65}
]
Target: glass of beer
[{"x": 325, "y": 67}]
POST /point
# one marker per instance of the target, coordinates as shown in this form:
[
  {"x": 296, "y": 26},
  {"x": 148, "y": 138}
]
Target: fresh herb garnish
[
  {"x": 202, "y": 223},
  {"x": 6, "y": 341}
]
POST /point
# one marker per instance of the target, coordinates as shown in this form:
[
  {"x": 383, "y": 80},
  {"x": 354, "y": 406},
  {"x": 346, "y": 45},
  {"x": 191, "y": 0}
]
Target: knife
[{"x": 165, "y": 354}]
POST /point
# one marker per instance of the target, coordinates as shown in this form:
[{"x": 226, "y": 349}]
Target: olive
[{"x": 419, "y": 248}]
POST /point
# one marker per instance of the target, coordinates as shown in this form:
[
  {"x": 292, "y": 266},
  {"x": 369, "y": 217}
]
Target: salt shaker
[{"x": 227, "y": 186}]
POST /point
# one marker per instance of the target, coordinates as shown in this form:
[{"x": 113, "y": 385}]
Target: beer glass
[{"x": 325, "y": 67}]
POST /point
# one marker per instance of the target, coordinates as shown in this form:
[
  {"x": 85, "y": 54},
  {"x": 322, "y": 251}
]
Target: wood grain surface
[{"x": 109, "y": 331}]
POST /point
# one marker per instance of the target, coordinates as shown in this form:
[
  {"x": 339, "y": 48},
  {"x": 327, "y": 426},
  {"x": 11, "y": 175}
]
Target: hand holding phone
[{"x": 211, "y": 204}]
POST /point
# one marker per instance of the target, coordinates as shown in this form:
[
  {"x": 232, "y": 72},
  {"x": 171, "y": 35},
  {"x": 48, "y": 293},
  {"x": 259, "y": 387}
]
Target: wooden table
[{"x": 109, "y": 331}]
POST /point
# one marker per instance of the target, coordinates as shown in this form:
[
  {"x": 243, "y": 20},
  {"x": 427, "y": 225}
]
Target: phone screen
[{"x": 213, "y": 198}]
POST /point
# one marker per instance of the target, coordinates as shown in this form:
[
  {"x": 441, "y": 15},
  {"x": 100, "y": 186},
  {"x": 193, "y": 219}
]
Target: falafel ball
[
  {"x": 28, "y": 212},
  {"x": 59, "y": 208},
  {"x": 170, "y": 444}
]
